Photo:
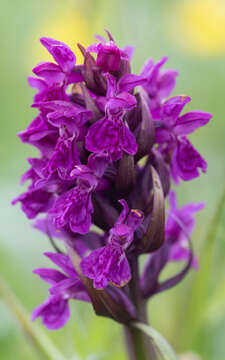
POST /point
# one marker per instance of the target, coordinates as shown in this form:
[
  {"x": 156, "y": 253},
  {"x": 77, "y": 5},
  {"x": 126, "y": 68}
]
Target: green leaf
[
  {"x": 42, "y": 343},
  {"x": 162, "y": 346}
]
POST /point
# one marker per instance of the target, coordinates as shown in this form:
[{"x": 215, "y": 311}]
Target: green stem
[
  {"x": 135, "y": 344},
  {"x": 139, "y": 346},
  {"x": 45, "y": 347}
]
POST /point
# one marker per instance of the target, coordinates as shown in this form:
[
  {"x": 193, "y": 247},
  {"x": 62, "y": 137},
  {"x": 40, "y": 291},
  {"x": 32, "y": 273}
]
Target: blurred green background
[{"x": 192, "y": 33}]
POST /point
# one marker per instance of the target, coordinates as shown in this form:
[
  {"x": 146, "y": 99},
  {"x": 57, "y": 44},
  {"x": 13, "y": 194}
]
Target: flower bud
[
  {"x": 145, "y": 133},
  {"x": 125, "y": 179},
  {"x": 154, "y": 236}
]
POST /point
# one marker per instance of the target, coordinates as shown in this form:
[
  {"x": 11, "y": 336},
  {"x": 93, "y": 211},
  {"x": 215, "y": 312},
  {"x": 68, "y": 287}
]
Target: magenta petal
[
  {"x": 64, "y": 112},
  {"x": 129, "y": 81},
  {"x": 179, "y": 253},
  {"x": 193, "y": 207},
  {"x": 177, "y": 216},
  {"x": 123, "y": 101},
  {"x": 63, "y": 286},
  {"x": 123, "y": 215},
  {"x": 92, "y": 268},
  {"x": 111, "y": 136},
  {"x": 111, "y": 85},
  {"x": 62, "y": 261},
  {"x": 186, "y": 161},
  {"x": 34, "y": 202},
  {"x": 190, "y": 121},
  {"x": 166, "y": 82},
  {"x": 50, "y": 71},
  {"x": 128, "y": 140},
  {"x": 172, "y": 108},
  {"x": 98, "y": 163},
  {"x": 74, "y": 77},
  {"x": 148, "y": 65},
  {"x": 84, "y": 172},
  {"x": 82, "y": 222},
  {"x": 154, "y": 71},
  {"x": 97, "y": 138},
  {"x": 74, "y": 208},
  {"x": 163, "y": 135},
  {"x": 35, "y": 83},
  {"x": 70, "y": 288},
  {"x": 51, "y": 276},
  {"x": 60, "y": 52},
  {"x": 54, "y": 312},
  {"x": 108, "y": 58},
  {"x": 63, "y": 159},
  {"x": 121, "y": 274},
  {"x": 129, "y": 51},
  {"x": 107, "y": 264}
]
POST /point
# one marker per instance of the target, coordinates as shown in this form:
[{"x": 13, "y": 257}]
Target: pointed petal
[
  {"x": 190, "y": 121},
  {"x": 51, "y": 72},
  {"x": 60, "y": 52},
  {"x": 129, "y": 81},
  {"x": 172, "y": 108},
  {"x": 166, "y": 82},
  {"x": 129, "y": 144},
  {"x": 54, "y": 312},
  {"x": 51, "y": 276},
  {"x": 63, "y": 262},
  {"x": 186, "y": 161},
  {"x": 121, "y": 273}
]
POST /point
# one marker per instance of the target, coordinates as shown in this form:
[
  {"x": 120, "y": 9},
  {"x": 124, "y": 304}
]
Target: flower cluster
[{"x": 110, "y": 142}]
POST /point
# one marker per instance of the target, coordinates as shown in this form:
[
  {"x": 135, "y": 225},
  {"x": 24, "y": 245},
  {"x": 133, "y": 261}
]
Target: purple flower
[
  {"x": 108, "y": 54},
  {"x": 173, "y": 125},
  {"x": 54, "y": 312},
  {"x": 40, "y": 134},
  {"x": 75, "y": 206},
  {"x": 34, "y": 202},
  {"x": 46, "y": 91},
  {"x": 60, "y": 52},
  {"x": 111, "y": 133},
  {"x": 186, "y": 161},
  {"x": 118, "y": 98},
  {"x": 64, "y": 286},
  {"x": 109, "y": 263},
  {"x": 61, "y": 114},
  {"x": 63, "y": 159},
  {"x": 159, "y": 83},
  {"x": 65, "y": 59},
  {"x": 103, "y": 134},
  {"x": 180, "y": 224}
]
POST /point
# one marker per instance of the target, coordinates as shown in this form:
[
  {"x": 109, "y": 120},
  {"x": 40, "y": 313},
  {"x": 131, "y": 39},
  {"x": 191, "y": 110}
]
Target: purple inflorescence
[{"x": 109, "y": 142}]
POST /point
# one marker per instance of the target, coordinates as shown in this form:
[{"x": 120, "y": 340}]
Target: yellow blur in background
[
  {"x": 75, "y": 29},
  {"x": 198, "y": 26}
]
